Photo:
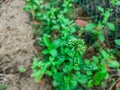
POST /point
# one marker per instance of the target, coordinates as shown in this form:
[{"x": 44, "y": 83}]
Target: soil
[{"x": 17, "y": 48}]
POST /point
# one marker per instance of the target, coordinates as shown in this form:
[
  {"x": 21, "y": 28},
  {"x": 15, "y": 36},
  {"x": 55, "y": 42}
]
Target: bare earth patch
[{"x": 16, "y": 47}]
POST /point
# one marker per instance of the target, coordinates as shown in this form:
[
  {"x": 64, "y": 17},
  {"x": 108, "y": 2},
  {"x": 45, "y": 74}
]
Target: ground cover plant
[
  {"x": 2, "y": 87},
  {"x": 64, "y": 47}
]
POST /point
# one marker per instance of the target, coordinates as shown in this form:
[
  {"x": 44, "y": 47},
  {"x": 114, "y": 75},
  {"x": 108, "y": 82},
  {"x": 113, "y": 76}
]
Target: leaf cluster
[{"x": 63, "y": 50}]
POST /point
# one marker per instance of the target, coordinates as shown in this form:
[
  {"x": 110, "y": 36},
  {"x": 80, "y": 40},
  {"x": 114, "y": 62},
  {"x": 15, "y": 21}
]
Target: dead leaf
[
  {"x": 35, "y": 22},
  {"x": 81, "y": 23}
]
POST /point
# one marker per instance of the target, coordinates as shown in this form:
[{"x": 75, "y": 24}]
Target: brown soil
[{"x": 16, "y": 48}]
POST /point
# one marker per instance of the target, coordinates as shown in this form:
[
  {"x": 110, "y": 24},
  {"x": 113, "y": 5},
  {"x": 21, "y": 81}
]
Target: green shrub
[{"x": 63, "y": 50}]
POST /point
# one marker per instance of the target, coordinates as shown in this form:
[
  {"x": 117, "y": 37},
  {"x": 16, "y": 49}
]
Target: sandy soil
[{"x": 16, "y": 48}]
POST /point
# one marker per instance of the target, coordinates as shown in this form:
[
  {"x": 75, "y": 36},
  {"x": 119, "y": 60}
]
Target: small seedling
[
  {"x": 21, "y": 69},
  {"x": 3, "y": 87}
]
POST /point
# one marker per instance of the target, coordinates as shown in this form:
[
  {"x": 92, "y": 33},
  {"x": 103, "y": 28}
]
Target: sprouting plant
[
  {"x": 21, "y": 69},
  {"x": 3, "y": 87}
]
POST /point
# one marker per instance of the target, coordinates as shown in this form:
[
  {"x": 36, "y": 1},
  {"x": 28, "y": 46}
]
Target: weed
[
  {"x": 63, "y": 50},
  {"x": 21, "y": 69},
  {"x": 2, "y": 87}
]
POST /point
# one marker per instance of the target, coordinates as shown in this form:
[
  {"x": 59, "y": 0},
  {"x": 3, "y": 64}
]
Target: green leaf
[
  {"x": 106, "y": 16},
  {"x": 57, "y": 43},
  {"x": 46, "y": 51},
  {"x": 118, "y": 3},
  {"x": 100, "y": 9},
  {"x": 99, "y": 76},
  {"x": 38, "y": 75},
  {"x": 67, "y": 68},
  {"x": 56, "y": 27},
  {"x": 21, "y": 69},
  {"x": 104, "y": 54},
  {"x": 53, "y": 52},
  {"x": 58, "y": 77},
  {"x": 90, "y": 26},
  {"x": 117, "y": 41},
  {"x": 89, "y": 72},
  {"x": 113, "y": 64},
  {"x": 83, "y": 79},
  {"x": 111, "y": 26},
  {"x": 101, "y": 37},
  {"x": 3, "y": 86},
  {"x": 55, "y": 83},
  {"x": 95, "y": 59},
  {"x": 118, "y": 89},
  {"x": 87, "y": 62},
  {"x": 90, "y": 83},
  {"x": 36, "y": 64},
  {"x": 37, "y": 2},
  {"x": 46, "y": 40},
  {"x": 49, "y": 73}
]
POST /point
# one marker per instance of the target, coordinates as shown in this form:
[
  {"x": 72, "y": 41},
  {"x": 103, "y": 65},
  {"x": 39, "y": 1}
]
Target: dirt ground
[{"x": 17, "y": 48}]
